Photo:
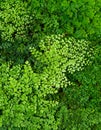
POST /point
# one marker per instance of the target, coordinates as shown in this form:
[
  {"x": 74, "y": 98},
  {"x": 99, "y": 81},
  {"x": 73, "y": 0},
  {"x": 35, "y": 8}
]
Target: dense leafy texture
[
  {"x": 75, "y": 17},
  {"x": 27, "y": 92},
  {"x": 50, "y": 65},
  {"x": 22, "y": 100}
]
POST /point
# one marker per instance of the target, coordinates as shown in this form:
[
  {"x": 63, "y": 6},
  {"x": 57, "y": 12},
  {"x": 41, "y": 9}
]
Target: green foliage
[
  {"x": 48, "y": 79},
  {"x": 27, "y": 20},
  {"x": 81, "y": 118},
  {"x": 80, "y": 19},
  {"x": 15, "y": 26},
  {"x": 14, "y": 20},
  {"x": 82, "y": 99},
  {"x": 63, "y": 53},
  {"x": 22, "y": 100},
  {"x": 27, "y": 90},
  {"x": 24, "y": 23}
]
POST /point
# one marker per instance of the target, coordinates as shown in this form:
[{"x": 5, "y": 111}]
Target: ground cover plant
[{"x": 50, "y": 65}]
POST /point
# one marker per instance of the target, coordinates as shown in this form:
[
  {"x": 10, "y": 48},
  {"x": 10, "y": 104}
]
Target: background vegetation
[{"x": 50, "y": 65}]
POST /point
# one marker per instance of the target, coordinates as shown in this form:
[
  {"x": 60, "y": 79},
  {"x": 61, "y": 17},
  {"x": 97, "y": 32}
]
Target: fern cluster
[{"x": 50, "y": 65}]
